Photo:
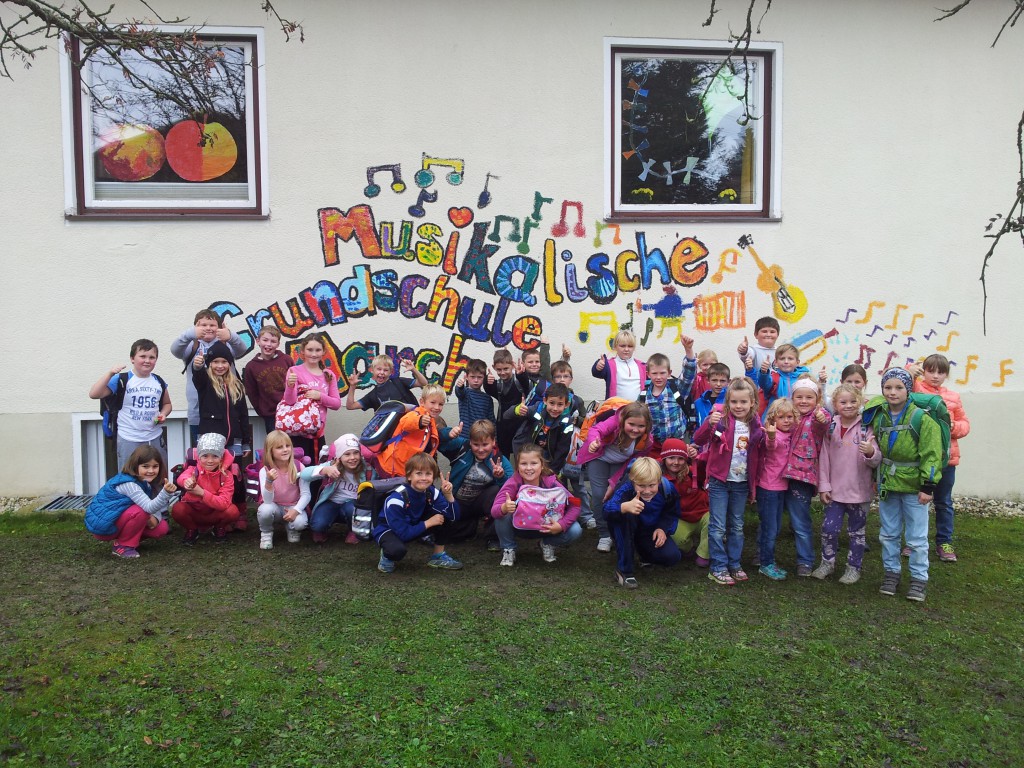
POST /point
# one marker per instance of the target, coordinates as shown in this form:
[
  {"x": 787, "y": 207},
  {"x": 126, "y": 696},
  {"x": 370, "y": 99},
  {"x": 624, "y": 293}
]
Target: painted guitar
[{"x": 789, "y": 302}]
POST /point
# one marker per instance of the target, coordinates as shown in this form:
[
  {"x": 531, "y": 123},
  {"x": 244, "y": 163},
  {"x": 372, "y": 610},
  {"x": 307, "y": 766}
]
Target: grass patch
[{"x": 228, "y": 656}]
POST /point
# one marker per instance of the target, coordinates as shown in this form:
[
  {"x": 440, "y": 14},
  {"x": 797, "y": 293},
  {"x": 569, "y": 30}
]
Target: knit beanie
[
  {"x": 673, "y": 446},
  {"x": 219, "y": 350},
  {"x": 902, "y": 375}
]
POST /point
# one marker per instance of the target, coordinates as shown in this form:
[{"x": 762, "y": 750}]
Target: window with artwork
[
  {"x": 184, "y": 136},
  {"x": 693, "y": 130}
]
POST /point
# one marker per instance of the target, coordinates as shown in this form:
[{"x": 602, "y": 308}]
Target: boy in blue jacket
[
  {"x": 413, "y": 509},
  {"x": 643, "y": 513},
  {"x": 478, "y": 470}
]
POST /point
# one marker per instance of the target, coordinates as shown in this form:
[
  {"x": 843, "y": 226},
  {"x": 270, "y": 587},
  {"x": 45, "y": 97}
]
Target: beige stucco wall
[{"x": 898, "y": 145}]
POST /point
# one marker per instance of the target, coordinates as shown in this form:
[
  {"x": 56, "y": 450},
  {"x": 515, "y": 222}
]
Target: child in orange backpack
[{"x": 416, "y": 433}]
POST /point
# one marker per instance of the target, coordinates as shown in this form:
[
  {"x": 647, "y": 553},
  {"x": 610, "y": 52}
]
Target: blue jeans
[
  {"x": 944, "y": 507},
  {"x": 328, "y": 513},
  {"x": 769, "y": 509},
  {"x": 725, "y": 523},
  {"x": 507, "y": 534},
  {"x": 903, "y": 511},
  {"x": 798, "y": 505}
]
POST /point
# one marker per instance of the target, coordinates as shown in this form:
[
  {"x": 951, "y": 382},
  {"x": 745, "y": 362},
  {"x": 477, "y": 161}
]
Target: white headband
[{"x": 805, "y": 384}]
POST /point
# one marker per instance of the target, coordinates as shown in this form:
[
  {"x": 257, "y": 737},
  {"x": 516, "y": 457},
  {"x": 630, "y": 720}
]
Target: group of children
[{"x": 663, "y": 468}]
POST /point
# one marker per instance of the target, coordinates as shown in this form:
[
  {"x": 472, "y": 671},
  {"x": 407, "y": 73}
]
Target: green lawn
[{"x": 228, "y": 656}]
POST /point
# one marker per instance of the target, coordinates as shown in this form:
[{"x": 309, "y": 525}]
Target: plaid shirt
[{"x": 667, "y": 416}]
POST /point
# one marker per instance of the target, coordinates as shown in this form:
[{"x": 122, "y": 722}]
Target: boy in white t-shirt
[{"x": 138, "y": 402}]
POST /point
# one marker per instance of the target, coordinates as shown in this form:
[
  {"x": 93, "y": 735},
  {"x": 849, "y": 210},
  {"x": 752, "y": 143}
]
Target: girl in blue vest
[{"x": 125, "y": 510}]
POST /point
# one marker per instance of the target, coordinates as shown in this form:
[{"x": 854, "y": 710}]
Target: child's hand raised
[
  {"x": 520, "y": 367},
  {"x": 291, "y": 379},
  {"x": 602, "y": 363},
  {"x": 508, "y": 506},
  {"x": 769, "y": 430},
  {"x": 595, "y": 446},
  {"x": 688, "y": 345},
  {"x": 455, "y": 431},
  {"x": 915, "y": 370},
  {"x": 566, "y": 352},
  {"x": 692, "y": 451},
  {"x": 425, "y": 421},
  {"x": 117, "y": 369},
  {"x": 273, "y": 474},
  {"x": 491, "y": 376},
  {"x": 743, "y": 347},
  {"x": 823, "y": 375},
  {"x": 749, "y": 362},
  {"x": 331, "y": 472},
  {"x": 190, "y": 483},
  {"x": 199, "y": 361},
  {"x": 765, "y": 366},
  {"x": 821, "y": 415},
  {"x": 170, "y": 487},
  {"x": 867, "y": 448},
  {"x": 405, "y": 365},
  {"x": 633, "y": 507},
  {"x": 224, "y": 334},
  {"x": 715, "y": 418},
  {"x": 496, "y": 469},
  {"x": 446, "y": 485}
]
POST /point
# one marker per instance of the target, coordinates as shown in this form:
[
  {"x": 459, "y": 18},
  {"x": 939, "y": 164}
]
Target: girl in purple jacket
[
  {"x": 734, "y": 441},
  {"x": 849, "y": 455}
]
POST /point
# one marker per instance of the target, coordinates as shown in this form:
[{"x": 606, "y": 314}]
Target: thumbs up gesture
[
  {"x": 602, "y": 363},
  {"x": 743, "y": 347}
]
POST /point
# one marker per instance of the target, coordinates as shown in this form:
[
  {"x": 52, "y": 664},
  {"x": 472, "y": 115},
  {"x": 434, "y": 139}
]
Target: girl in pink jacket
[
  {"x": 311, "y": 380},
  {"x": 848, "y": 457},
  {"x": 771, "y": 485}
]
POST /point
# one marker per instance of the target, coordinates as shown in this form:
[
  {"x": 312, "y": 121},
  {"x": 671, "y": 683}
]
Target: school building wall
[{"x": 898, "y": 144}]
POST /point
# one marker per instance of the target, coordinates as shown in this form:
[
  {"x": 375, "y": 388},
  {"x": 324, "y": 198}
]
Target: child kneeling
[
  {"x": 643, "y": 513},
  {"x": 411, "y": 510},
  {"x": 208, "y": 488},
  {"x": 285, "y": 492}
]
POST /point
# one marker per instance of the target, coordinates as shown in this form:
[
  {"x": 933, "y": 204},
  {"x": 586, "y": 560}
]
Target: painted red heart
[{"x": 460, "y": 217}]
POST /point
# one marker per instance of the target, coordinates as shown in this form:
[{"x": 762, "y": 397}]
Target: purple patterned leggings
[{"x": 833, "y": 523}]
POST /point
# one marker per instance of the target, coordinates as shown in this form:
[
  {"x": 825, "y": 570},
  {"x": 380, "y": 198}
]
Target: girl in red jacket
[{"x": 206, "y": 503}]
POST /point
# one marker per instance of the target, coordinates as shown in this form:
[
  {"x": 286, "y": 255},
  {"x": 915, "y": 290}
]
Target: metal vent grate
[{"x": 67, "y": 502}]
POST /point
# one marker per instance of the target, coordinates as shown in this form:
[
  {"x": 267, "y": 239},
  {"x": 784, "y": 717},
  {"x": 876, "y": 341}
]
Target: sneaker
[
  {"x": 220, "y": 535},
  {"x": 629, "y": 582},
  {"x": 126, "y": 553},
  {"x": 191, "y": 537},
  {"x": 384, "y": 565},
  {"x": 444, "y": 560},
  {"x": 803, "y": 570},
  {"x": 850, "y": 576},
  {"x": 508, "y": 557},
  {"x": 702, "y": 562},
  {"x": 757, "y": 561},
  {"x": 739, "y": 575},
  {"x": 351, "y": 538},
  {"x": 548, "y": 552},
  {"x": 916, "y": 590},
  {"x": 721, "y": 577},
  {"x": 772, "y": 571},
  {"x": 604, "y": 544},
  {"x": 493, "y": 545},
  {"x": 590, "y": 523},
  {"x": 319, "y": 537},
  {"x": 946, "y": 553},
  {"x": 890, "y": 582},
  {"x": 905, "y": 552},
  {"x": 294, "y": 536},
  {"x": 824, "y": 570},
  {"x": 266, "y": 539}
]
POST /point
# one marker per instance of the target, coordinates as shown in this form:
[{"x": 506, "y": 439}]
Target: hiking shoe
[
  {"x": 772, "y": 571},
  {"x": 721, "y": 577},
  {"x": 493, "y": 545},
  {"x": 946, "y": 553},
  {"x": 351, "y": 538},
  {"x": 266, "y": 539},
  {"x": 803, "y": 570},
  {"x": 916, "y": 590},
  {"x": 125, "y": 553},
  {"x": 444, "y": 560},
  {"x": 626, "y": 581},
  {"x": 905, "y": 552},
  {"x": 824, "y": 570},
  {"x": 384, "y": 565},
  {"x": 508, "y": 557},
  {"x": 319, "y": 537},
  {"x": 191, "y": 537},
  {"x": 548, "y": 552},
  {"x": 890, "y": 582},
  {"x": 702, "y": 562},
  {"x": 604, "y": 544},
  {"x": 220, "y": 535},
  {"x": 738, "y": 574},
  {"x": 590, "y": 523},
  {"x": 850, "y": 576}
]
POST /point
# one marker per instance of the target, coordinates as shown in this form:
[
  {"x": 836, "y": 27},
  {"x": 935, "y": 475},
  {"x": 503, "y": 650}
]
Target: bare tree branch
[
  {"x": 1011, "y": 19},
  {"x": 741, "y": 47}
]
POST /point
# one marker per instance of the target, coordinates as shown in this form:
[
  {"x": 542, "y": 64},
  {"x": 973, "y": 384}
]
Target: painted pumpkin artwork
[
  {"x": 200, "y": 152},
  {"x": 131, "y": 152}
]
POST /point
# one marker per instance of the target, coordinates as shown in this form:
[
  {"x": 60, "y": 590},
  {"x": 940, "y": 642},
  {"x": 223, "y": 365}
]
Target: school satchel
[
  {"x": 303, "y": 418},
  {"x": 539, "y": 506}
]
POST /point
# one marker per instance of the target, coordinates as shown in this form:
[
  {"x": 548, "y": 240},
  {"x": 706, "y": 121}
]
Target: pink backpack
[{"x": 539, "y": 506}]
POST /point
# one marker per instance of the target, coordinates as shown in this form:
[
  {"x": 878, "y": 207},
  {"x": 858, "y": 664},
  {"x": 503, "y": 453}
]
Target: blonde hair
[
  {"x": 228, "y": 383},
  {"x": 784, "y": 348},
  {"x": 847, "y": 389},
  {"x": 383, "y": 360},
  {"x": 276, "y": 439},
  {"x": 432, "y": 390},
  {"x": 746, "y": 385},
  {"x": 777, "y": 408},
  {"x": 645, "y": 470},
  {"x": 707, "y": 354},
  {"x": 807, "y": 377},
  {"x": 626, "y": 336}
]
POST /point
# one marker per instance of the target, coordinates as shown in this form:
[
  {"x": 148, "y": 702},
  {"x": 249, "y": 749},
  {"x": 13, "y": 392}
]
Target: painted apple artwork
[
  {"x": 200, "y": 151},
  {"x": 132, "y": 152}
]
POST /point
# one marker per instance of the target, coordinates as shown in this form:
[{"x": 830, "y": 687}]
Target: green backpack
[{"x": 930, "y": 405}]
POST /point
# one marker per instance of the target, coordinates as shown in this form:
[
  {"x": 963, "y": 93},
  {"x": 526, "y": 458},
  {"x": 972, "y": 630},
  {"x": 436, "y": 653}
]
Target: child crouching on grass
[
  {"x": 411, "y": 510},
  {"x": 285, "y": 493},
  {"x": 125, "y": 511},
  {"x": 691, "y": 534}
]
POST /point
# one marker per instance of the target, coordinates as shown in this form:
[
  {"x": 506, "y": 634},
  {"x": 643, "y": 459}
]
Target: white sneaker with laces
[
  {"x": 548, "y": 552},
  {"x": 266, "y": 540},
  {"x": 508, "y": 557},
  {"x": 604, "y": 544},
  {"x": 294, "y": 536}
]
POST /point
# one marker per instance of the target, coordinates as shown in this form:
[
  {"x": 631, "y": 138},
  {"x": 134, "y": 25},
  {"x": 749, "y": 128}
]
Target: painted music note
[
  {"x": 789, "y": 302},
  {"x": 896, "y": 316},
  {"x": 949, "y": 339},
  {"x": 560, "y": 228},
  {"x": 589, "y": 320},
  {"x": 647, "y": 330},
  {"x": 864, "y": 358},
  {"x": 426, "y": 196},
  {"x": 538, "y": 201},
  {"x": 372, "y": 189},
  {"x": 970, "y": 365},
  {"x": 913, "y": 321},
  {"x": 723, "y": 267},
  {"x": 867, "y": 315},
  {"x": 425, "y": 177},
  {"x": 885, "y": 365},
  {"x": 601, "y": 227},
  {"x": 513, "y": 236},
  {"x": 485, "y": 197},
  {"x": 528, "y": 226},
  {"x": 1004, "y": 371}
]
